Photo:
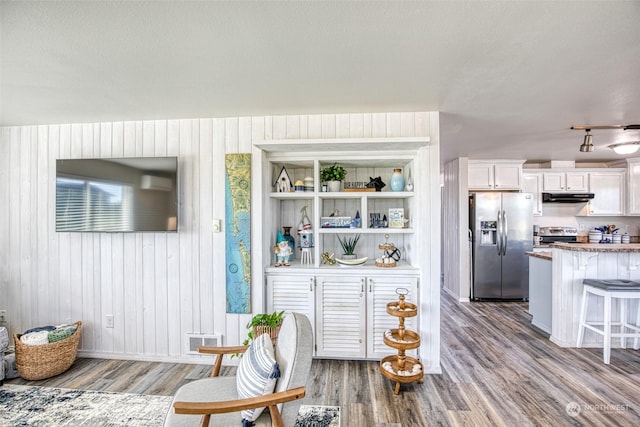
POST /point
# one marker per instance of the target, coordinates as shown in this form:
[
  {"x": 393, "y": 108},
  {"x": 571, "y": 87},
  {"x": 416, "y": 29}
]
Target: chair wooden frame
[{"x": 206, "y": 409}]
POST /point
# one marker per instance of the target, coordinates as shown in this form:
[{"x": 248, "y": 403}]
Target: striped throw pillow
[{"x": 257, "y": 374}]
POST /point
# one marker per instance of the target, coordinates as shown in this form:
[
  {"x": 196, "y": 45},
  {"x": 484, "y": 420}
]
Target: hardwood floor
[{"x": 497, "y": 371}]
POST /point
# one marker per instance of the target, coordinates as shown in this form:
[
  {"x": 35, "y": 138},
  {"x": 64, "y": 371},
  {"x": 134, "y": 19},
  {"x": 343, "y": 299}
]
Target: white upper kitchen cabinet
[
  {"x": 608, "y": 188},
  {"x": 495, "y": 174},
  {"x": 633, "y": 180},
  {"x": 532, "y": 183},
  {"x": 565, "y": 182}
]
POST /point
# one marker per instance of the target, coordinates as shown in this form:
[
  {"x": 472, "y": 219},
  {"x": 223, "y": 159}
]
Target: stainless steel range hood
[{"x": 566, "y": 197}]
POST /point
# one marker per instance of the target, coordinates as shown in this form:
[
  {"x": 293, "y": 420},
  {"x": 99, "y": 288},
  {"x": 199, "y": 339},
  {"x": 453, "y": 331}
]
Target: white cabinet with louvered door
[
  {"x": 381, "y": 291},
  {"x": 341, "y": 314},
  {"x": 291, "y": 293}
]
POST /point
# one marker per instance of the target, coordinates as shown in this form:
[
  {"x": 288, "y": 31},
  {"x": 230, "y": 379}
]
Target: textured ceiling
[{"x": 509, "y": 78}]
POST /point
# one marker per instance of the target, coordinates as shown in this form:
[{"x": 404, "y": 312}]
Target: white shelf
[
  {"x": 335, "y": 230},
  {"x": 369, "y": 267},
  {"x": 305, "y": 195},
  {"x": 366, "y": 194}
]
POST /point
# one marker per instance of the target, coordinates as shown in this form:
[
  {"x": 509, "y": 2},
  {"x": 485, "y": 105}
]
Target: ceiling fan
[
  {"x": 590, "y": 127},
  {"x": 621, "y": 148}
]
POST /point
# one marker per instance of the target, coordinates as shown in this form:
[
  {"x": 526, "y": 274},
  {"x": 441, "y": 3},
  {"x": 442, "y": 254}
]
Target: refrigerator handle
[
  {"x": 504, "y": 232},
  {"x": 499, "y": 233}
]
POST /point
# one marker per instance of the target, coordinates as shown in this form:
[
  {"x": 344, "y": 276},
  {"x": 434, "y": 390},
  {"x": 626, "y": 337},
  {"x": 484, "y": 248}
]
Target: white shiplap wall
[
  {"x": 158, "y": 286},
  {"x": 455, "y": 226}
]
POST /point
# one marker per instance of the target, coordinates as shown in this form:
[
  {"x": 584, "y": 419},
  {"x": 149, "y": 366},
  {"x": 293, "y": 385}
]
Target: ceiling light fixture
[
  {"x": 620, "y": 148},
  {"x": 626, "y": 147},
  {"x": 587, "y": 145}
]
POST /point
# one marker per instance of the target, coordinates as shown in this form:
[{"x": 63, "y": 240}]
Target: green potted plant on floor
[{"x": 333, "y": 176}]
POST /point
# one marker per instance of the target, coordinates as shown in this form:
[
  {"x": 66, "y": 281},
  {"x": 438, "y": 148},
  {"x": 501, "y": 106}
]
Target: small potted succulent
[
  {"x": 333, "y": 175},
  {"x": 349, "y": 246}
]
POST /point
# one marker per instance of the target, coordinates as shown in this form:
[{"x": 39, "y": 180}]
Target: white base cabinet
[
  {"x": 347, "y": 311},
  {"x": 292, "y": 293},
  {"x": 381, "y": 291},
  {"x": 341, "y": 330}
]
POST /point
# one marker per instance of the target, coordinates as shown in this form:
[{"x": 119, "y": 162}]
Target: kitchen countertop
[
  {"x": 598, "y": 247},
  {"x": 542, "y": 255},
  {"x": 541, "y": 245}
]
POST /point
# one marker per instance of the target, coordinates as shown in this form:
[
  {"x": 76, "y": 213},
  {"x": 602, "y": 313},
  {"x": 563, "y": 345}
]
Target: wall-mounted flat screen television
[{"x": 117, "y": 195}]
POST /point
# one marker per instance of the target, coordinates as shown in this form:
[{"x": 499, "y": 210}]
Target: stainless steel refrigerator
[{"x": 501, "y": 231}]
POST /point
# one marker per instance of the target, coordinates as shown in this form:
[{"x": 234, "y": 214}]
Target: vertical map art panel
[{"x": 238, "y": 232}]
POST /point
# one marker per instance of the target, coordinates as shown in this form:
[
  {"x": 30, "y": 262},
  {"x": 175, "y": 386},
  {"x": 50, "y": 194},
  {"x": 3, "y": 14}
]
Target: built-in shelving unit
[
  {"x": 364, "y": 159},
  {"x": 346, "y": 304}
]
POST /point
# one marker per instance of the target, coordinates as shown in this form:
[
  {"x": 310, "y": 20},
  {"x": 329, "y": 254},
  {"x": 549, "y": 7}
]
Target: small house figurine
[{"x": 283, "y": 182}]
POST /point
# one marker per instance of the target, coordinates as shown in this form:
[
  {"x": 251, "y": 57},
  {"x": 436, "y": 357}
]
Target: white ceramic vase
[{"x": 334, "y": 186}]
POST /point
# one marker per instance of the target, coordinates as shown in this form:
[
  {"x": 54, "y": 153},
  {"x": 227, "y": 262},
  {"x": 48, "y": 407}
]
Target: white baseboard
[{"x": 195, "y": 360}]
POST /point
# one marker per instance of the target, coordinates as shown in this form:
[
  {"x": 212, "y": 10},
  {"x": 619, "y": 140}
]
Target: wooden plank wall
[{"x": 158, "y": 286}]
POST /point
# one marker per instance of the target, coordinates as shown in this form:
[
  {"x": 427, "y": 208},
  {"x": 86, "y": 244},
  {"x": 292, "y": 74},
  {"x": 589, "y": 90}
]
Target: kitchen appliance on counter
[
  {"x": 501, "y": 232},
  {"x": 558, "y": 235}
]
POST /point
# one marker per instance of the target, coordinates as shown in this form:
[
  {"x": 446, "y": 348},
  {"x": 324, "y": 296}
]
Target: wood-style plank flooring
[{"x": 496, "y": 371}]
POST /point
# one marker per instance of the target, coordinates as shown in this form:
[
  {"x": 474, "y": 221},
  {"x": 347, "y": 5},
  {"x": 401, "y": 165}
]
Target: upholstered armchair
[{"x": 224, "y": 401}]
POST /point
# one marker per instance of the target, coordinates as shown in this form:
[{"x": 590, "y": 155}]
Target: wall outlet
[
  {"x": 3, "y": 317},
  {"x": 109, "y": 321}
]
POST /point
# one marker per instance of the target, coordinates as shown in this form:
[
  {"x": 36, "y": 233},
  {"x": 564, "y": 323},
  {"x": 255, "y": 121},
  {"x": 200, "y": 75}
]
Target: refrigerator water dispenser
[{"x": 488, "y": 232}]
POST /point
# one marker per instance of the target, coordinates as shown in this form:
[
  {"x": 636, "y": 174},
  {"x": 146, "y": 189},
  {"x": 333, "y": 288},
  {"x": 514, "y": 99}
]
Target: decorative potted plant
[
  {"x": 264, "y": 323},
  {"x": 349, "y": 246},
  {"x": 333, "y": 175}
]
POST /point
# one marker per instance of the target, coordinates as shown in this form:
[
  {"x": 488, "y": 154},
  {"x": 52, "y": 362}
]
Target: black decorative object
[{"x": 376, "y": 183}]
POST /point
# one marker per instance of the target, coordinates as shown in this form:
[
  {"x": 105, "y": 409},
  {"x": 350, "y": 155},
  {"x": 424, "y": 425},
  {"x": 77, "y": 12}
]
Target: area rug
[{"x": 26, "y": 406}]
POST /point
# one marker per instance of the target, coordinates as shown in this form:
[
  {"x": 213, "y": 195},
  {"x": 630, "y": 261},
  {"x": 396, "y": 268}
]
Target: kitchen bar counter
[
  {"x": 598, "y": 247},
  {"x": 540, "y": 283},
  {"x": 574, "y": 262}
]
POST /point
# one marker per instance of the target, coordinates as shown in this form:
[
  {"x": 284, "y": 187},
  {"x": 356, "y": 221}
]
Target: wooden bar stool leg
[
  {"x": 606, "y": 345},
  {"x": 583, "y": 317}
]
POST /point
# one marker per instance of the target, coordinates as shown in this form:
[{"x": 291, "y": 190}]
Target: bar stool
[{"x": 622, "y": 290}]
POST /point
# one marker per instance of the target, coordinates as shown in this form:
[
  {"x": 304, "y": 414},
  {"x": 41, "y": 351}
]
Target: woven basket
[
  {"x": 273, "y": 332},
  {"x": 37, "y": 362}
]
